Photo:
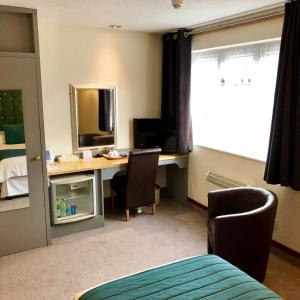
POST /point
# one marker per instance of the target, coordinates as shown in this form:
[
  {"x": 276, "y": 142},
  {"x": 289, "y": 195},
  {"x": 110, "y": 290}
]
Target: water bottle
[
  {"x": 62, "y": 208},
  {"x": 58, "y": 208},
  {"x": 73, "y": 209},
  {"x": 68, "y": 207}
]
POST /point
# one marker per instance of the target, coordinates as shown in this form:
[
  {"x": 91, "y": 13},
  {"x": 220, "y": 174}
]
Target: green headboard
[{"x": 11, "y": 110}]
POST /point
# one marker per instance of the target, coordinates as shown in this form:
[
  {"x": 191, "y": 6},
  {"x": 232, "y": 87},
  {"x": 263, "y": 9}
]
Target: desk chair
[
  {"x": 240, "y": 227},
  {"x": 136, "y": 189}
]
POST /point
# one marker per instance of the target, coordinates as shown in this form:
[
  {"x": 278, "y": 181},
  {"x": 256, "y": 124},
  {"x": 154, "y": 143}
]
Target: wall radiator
[{"x": 217, "y": 181}]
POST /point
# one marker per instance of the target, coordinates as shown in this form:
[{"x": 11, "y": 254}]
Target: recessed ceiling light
[{"x": 115, "y": 26}]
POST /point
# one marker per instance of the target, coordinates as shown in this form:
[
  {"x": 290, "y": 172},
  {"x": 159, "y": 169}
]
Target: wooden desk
[
  {"x": 83, "y": 165},
  {"x": 105, "y": 169}
]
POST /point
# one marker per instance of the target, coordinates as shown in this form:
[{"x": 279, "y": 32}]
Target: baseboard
[
  {"x": 286, "y": 249},
  {"x": 196, "y": 203},
  {"x": 274, "y": 243}
]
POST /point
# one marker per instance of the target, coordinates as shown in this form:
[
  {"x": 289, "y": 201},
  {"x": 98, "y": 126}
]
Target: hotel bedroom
[{"x": 148, "y": 149}]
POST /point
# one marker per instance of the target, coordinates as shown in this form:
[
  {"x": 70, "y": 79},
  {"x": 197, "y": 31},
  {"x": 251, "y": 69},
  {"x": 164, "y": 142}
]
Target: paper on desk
[{"x": 52, "y": 167}]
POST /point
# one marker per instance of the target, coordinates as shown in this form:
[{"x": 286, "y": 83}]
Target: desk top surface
[{"x": 82, "y": 165}]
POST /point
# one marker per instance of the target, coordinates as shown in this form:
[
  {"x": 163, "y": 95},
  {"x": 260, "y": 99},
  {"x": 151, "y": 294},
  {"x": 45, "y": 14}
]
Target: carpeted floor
[{"x": 80, "y": 261}]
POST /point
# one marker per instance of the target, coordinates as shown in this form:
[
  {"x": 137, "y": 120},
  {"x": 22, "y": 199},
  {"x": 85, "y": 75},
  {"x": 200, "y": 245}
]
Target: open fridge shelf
[{"x": 74, "y": 218}]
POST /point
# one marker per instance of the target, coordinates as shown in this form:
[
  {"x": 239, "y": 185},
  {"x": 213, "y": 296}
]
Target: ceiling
[{"x": 138, "y": 15}]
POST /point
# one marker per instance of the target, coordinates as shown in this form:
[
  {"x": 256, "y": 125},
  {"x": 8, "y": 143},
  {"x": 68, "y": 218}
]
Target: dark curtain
[
  {"x": 283, "y": 161},
  {"x": 176, "y": 82},
  {"x": 106, "y": 110}
]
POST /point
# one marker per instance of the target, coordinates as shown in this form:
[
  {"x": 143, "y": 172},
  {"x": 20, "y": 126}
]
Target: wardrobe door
[{"x": 22, "y": 172}]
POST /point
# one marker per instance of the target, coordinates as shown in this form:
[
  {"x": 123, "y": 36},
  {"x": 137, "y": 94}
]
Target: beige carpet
[{"x": 80, "y": 261}]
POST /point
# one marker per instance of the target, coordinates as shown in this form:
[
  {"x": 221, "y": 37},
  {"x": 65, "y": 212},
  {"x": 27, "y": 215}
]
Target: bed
[
  {"x": 13, "y": 177},
  {"x": 200, "y": 277}
]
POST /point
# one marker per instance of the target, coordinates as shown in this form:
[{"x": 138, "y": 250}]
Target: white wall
[
  {"x": 72, "y": 54},
  {"x": 242, "y": 169}
]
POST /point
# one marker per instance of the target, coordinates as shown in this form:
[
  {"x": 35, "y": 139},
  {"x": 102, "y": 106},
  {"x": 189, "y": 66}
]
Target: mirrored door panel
[
  {"x": 22, "y": 206},
  {"x": 14, "y": 193}
]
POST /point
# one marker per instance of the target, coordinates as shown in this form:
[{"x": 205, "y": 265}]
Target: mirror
[
  {"x": 14, "y": 191},
  {"x": 93, "y": 110}
]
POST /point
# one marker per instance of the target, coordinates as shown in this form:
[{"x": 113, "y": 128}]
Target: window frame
[{"x": 252, "y": 43}]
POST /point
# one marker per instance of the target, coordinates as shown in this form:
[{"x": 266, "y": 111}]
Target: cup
[{"x": 111, "y": 154}]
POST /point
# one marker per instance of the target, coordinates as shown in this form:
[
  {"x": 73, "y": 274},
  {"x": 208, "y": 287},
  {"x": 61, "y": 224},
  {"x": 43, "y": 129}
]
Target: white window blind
[{"x": 232, "y": 97}]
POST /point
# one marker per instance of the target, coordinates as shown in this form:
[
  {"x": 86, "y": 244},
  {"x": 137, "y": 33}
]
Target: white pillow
[{"x": 2, "y": 137}]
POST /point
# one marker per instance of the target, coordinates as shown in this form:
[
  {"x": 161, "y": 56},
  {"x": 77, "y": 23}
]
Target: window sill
[{"x": 233, "y": 154}]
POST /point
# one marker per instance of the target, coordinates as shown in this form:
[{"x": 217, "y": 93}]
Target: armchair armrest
[{"x": 235, "y": 201}]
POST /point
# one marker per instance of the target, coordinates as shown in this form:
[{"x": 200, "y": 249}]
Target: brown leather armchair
[
  {"x": 240, "y": 227},
  {"x": 137, "y": 188}
]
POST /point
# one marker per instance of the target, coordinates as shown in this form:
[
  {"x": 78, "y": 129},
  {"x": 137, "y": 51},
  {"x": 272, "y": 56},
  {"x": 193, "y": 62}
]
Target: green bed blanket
[{"x": 201, "y": 277}]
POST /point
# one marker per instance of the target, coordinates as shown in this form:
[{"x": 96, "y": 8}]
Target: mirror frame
[{"x": 74, "y": 115}]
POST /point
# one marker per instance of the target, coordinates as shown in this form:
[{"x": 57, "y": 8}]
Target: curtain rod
[{"x": 250, "y": 16}]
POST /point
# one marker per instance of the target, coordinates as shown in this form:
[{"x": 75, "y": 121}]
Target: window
[{"x": 232, "y": 97}]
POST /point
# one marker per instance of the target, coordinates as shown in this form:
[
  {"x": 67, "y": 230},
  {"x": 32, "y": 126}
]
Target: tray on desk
[{"x": 113, "y": 158}]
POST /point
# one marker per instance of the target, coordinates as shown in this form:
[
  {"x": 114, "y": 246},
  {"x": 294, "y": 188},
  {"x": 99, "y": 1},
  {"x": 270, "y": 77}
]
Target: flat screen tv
[{"x": 149, "y": 133}]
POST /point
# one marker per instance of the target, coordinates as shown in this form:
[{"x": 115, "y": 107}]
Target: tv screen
[
  {"x": 149, "y": 133},
  {"x": 146, "y": 133}
]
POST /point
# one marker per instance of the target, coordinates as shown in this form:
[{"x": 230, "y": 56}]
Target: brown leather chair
[
  {"x": 240, "y": 227},
  {"x": 85, "y": 140},
  {"x": 137, "y": 188},
  {"x": 94, "y": 139},
  {"x": 102, "y": 140}
]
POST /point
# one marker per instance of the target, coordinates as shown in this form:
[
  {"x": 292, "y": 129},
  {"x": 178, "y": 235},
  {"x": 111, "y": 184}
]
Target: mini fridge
[{"x": 73, "y": 198}]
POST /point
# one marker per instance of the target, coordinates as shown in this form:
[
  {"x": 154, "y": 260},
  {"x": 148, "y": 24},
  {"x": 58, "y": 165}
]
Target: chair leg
[
  {"x": 112, "y": 196},
  {"x": 153, "y": 209},
  {"x": 127, "y": 215}
]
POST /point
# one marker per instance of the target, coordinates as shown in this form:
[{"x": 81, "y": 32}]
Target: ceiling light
[
  {"x": 115, "y": 26},
  {"x": 177, "y": 3}
]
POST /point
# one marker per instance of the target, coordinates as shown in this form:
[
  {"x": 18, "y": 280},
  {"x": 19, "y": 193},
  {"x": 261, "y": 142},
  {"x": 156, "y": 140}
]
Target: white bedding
[
  {"x": 15, "y": 186},
  {"x": 13, "y": 176},
  {"x": 13, "y": 167}
]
